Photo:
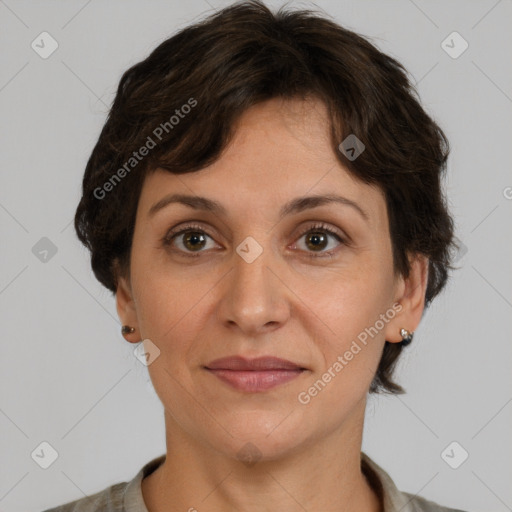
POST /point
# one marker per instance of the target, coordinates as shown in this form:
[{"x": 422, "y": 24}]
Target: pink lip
[
  {"x": 253, "y": 375},
  {"x": 253, "y": 380},
  {"x": 259, "y": 363}
]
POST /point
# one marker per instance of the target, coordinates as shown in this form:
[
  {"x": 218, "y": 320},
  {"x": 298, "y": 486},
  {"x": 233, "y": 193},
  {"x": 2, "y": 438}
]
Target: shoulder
[
  {"x": 419, "y": 504},
  {"x": 116, "y": 498},
  {"x": 392, "y": 498},
  {"x": 107, "y": 500}
]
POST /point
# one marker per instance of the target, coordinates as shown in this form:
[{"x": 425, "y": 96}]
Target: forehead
[{"x": 280, "y": 150}]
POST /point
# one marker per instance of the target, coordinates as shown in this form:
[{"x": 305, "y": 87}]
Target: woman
[{"x": 265, "y": 203}]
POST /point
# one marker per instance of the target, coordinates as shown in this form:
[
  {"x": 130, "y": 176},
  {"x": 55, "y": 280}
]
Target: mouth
[{"x": 254, "y": 375}]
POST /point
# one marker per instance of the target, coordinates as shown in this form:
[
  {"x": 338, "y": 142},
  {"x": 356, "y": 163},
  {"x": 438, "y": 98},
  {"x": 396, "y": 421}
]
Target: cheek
[
  {"x": 346, "y": 315},
  {"x": 348, "y": 349},
  {"x": 160, "y": 290},
  {"x": 158, "y": 305},
  {"x": 172, "y": 308},
  {"x": 168, "y": 314},
  {"x": 348, "y": 299}
]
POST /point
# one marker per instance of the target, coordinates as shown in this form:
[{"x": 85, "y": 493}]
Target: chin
[{"x": 268, "y": 437}]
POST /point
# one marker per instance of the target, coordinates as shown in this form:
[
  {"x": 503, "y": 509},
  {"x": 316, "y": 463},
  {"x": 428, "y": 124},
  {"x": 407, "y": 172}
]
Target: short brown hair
[{"x": 245, "y": 54}]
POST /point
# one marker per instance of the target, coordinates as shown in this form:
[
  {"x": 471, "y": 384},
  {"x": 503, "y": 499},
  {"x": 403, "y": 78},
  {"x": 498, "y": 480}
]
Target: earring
[
  {"x": 406, "y": 336},
  {"x": 126, "y": 329}
]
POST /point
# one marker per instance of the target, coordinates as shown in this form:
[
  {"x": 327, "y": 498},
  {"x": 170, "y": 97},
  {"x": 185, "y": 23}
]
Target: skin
[{"x": 305, "y": 309}]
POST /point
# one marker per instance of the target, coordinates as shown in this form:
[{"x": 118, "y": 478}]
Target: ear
[
  {"x": 411, "y": 297},
  {"x": 125, "y": 306}
]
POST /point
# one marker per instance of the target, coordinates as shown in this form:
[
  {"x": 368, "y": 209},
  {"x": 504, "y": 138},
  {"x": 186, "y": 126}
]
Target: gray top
[{"x": 127, "y": 496}]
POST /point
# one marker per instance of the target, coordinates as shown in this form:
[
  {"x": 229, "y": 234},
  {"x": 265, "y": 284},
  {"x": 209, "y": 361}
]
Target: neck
[{"x": 325, "y": 475}]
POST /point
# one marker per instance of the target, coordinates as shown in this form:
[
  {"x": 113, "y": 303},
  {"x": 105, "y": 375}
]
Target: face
[{"x": 304, "y": 284}]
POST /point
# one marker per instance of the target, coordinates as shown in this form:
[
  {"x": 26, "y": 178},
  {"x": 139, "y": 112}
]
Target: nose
[{"x": 255, "y": 299}]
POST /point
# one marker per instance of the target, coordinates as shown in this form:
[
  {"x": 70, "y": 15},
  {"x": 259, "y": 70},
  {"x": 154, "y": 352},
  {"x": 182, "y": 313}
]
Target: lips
[
  {"x": 266, "y": 363},
  {"x": 254, "y": 375}
]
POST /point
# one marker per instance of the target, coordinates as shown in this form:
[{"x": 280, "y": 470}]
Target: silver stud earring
[{"x": 406, "y": 336}]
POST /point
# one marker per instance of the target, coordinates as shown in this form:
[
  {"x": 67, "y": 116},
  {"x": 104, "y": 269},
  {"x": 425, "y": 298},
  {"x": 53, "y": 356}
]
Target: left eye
[
  {"x": 317, "y": 239},
  {"x": 193, "y": 240}
]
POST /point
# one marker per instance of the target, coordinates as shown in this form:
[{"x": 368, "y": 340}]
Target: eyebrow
[{"x": 296, "y": 205}]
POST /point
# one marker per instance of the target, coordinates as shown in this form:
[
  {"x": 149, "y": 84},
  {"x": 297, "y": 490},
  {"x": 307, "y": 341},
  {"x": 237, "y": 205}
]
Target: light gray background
[{"x": 70, "y": 379}]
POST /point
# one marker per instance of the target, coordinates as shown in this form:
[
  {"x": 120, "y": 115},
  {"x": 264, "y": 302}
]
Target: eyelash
[{"x": 172, "y": 234}]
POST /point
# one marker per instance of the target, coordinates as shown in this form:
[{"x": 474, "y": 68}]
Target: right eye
[{"x": 192, "y": 239}]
